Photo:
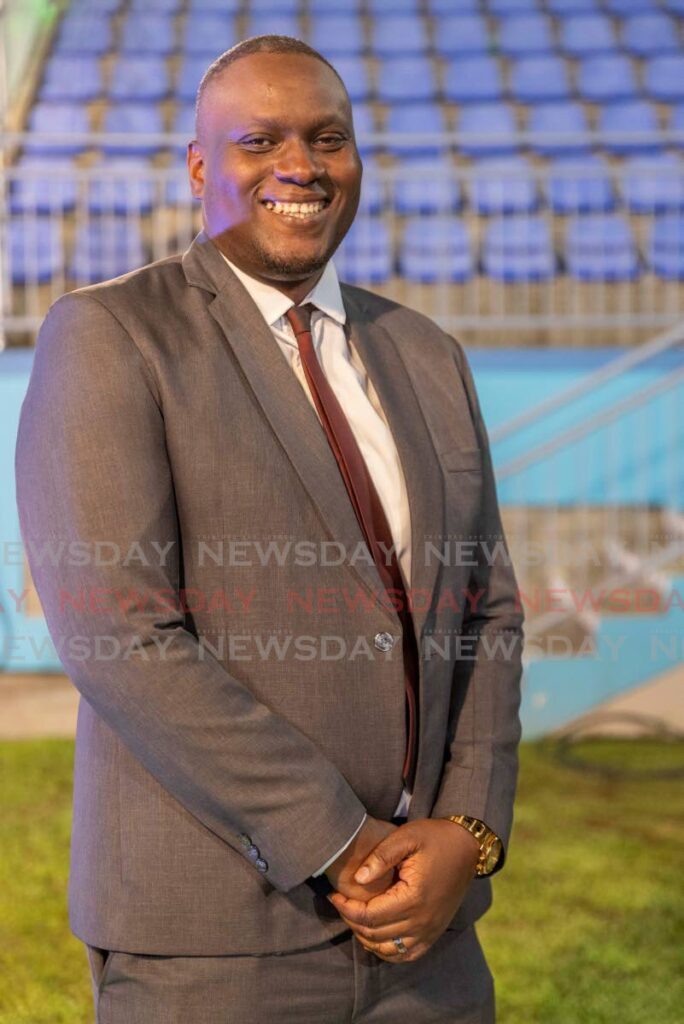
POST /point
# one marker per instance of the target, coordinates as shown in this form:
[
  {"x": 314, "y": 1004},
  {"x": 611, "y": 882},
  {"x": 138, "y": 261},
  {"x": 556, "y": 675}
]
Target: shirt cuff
[{"x": 336, "y": 855}]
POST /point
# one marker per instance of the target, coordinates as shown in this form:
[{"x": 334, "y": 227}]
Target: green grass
[{"x": 586, "y": 927}]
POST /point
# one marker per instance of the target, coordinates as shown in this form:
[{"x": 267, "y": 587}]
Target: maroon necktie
[{"x": 369, "y": 512}]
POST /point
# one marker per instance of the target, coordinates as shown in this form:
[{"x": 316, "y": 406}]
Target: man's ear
[{"x": 195, "y": 163}]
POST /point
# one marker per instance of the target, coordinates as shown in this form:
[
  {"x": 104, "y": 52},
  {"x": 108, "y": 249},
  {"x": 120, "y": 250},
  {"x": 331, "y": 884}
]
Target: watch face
[{"x": 492, "y": 857}]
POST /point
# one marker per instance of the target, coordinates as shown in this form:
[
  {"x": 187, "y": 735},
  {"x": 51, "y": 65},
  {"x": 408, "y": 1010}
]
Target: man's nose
[{"x": 297, "y": 161}]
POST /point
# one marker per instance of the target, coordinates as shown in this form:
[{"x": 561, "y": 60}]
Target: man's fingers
[
  {"x": 389, "y": 852},
  {"x": 388, "y": 907}
]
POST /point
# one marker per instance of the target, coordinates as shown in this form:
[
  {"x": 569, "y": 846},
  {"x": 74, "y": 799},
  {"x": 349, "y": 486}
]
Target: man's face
[{"x": 276, "y": 165}]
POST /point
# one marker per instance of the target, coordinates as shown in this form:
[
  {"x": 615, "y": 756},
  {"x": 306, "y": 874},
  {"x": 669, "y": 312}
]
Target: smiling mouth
[{"x": 298, "y": 211}]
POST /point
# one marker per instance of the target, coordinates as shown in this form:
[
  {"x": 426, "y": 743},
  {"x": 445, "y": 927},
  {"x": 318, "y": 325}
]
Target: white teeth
[{"x": 299, "y": 210}]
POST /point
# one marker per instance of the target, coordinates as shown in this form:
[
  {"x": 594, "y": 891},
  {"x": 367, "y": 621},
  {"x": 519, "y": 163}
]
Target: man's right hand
[{"x": 341, "y": 871}]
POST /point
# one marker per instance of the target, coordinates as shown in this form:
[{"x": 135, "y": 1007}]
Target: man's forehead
[{"x": 268, "y": 77}]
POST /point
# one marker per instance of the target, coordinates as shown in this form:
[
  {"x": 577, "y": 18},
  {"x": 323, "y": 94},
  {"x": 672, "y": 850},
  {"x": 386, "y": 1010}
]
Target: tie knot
[{"x": 300, "y": 318}]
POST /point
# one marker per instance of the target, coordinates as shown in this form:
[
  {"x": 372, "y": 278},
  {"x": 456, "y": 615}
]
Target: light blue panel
[{"x": 631, "y": 650}]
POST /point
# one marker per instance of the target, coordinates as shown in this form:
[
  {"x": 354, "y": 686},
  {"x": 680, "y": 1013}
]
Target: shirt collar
[{"x": 273, "y": 304}]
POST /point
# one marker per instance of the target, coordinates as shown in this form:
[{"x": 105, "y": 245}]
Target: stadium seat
[
  {"x": 494, "y": 123},
  {"x": 653, "y": 184},
  {"x": 649, "y": 35},
  {"x": 42, "y": 186},
  {"x": 61, "y": 119},
  {"x": 666, "y": 248},
  {"x": 446, "y": 7},
  {"x": 337, "y": 34},
  {"x": 558, "y": 129},
  {"x": 383, "y": 8},
  {"x": 148, "y": 33},
  {"x": 366, "y": 252},
  {"x": 190, "y": 74},
  {"x": 503, "y": 186},
  {"x": 132, "y": 119},
  {"x": 208, "y": 34},
  {"x": 71, "y": 79},
  {"x": 184, "y": 119},
  {"x": 664, "y": 78},
  {"x": 334, "y": 7},
  {"x": 124, "y": 187},
  {"x": 373, "y": 192},
  {"x": 34, "y": 250},
  {"x": 464, "y": 35},
  {"x": 586, "y": 34},
  {"x": 354, "y": 73},
  {"x": 600, "y": 247},
  {"x": 364, "y": 124},
  {"x": 525, "y": 35},
  {"x": 569, "y": 8},
  {"x": 261, "y": 24},
  {"x": 399, "y": 35},
  {"x": 435, "y": 249},
  {"x": 213, "y": 6},
  {"x": 84, "y": 34},
  {"x": 637, "y": 117},
  {"x": 274, "y": 6},
  {"x": 625, "y": 8},
  {"x": 539, "y": 80},
  {"x": 95, "y": 6},
  {"x": 473, "y": 80},
  {"x": 426, "y": 186},
  {"x": 165, "y": 6},
  {"x": 607, "y": 78},
  {"x": 412, "y": 119},
  {"x": 677, "y": 124},
  {"x": 406, "y": 78},
  {"x": 578, "y": 184},
  {"x": 177, "y": 186},
  {"x": 106, "y": 247},
  {"x": 675, "y": 7},
  {"x": 140, "y": 79},
  {"x": 517, "y": 249},
  {"x": 505, "y": 8}
]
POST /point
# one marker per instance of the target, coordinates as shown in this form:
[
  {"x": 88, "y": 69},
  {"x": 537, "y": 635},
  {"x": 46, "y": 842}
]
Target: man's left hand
[{"x": 435, "y": 862}]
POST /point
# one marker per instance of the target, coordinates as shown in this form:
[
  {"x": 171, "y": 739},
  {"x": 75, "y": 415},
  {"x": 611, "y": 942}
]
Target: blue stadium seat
[
  {"x": 184, "y": 119},
  {"x": 525, "y": 35},
  {"x": 653, "y": 184},
  {"x": 503, "y": 186},
  {"x": 165, "y": 6},
  {"x": 34, "y": 250},
  {"x": 42, "y": 186},
  {"x": 127, "y": 189},
  {"x": 213, "y": 6},
  {"x": 517, "y": 249},
  {"x": 664, "y": 78},
  {"x": 62, "y": 119},
  {"x": 473, "y": 80},
  {"x": 209, "y": 34},
  {"x": 148, "y": 33},
  {"x": 337, "y": 34},
  {"x": 539, "y": 80},
  {"x": 190, "y": 74},
  {"x": 600, "y": 247},
  {"x": 177, "y": 186},
  {"x": 426, "y": 186},
  {"x": 607, "y": 78},
  {"x": 399, "y": 35},
  {"x": 494, "y": 123},
  {"x": 666, "y": 248},
  {"x": 334, "y": 7},
  {"x": 435, "y": 249},
  {"x": 274, "y": 6},
  {"x": 438, "y": 8},
  {"x": 95, "y": 6},
  {"x": 406, "y": 78},
  {"x": 569, "y": 8},
  {"x": 464, "y": 35},
  {"x": 559, "y": 129},
  {"x": 140, "y": 79},
  {"x": 636, "y": 118},
  {"x": 261, "y": 24},
  {"x": 579, "y": 184},
  {"x": 625, "y": 8},
  {"x": 364, "y": 124},
  {"x": 354, "y": 73},
  {"x": 648, "y": 35},
  {"x": 106, "y": 247},
  {"x": 373, "y": 191},
  {"x": 505, "y": 8},
  {"x": 71, "y": 79},
  {"x": 587, "y": 34},
  {"x": 85, "y": 34},
  {"x": 383, "y": 8},
  {"x": 677, "y": 124},
  {"x": 132, "y": 119},
  {"x": 410, "y": 120},
  {"x": 676, "y": 7},
  {"x": 366, "y": 252}
]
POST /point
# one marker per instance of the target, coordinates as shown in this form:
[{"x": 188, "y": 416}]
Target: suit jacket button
[
  {"x": 261, "y": 864},
  {"x": 245, "y": 839},
  {"x": 253, "y": 853},
  {"x": 383, "y": 641}
]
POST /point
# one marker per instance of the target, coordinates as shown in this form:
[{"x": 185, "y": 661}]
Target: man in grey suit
[{"x": 252, "y": 732}]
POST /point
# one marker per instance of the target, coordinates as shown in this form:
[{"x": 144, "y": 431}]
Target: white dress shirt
[{"x": 359, "y": 400}]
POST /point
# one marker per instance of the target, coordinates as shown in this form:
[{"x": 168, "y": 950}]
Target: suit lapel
[{"x": 301, "y": 435}]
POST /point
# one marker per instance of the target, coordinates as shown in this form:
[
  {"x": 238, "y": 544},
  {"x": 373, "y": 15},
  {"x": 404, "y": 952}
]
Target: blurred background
[{"x": 524, "y": 187}]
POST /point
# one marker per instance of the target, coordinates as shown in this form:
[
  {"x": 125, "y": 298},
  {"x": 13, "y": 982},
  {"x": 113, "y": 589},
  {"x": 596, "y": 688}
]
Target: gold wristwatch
[{"x": 490, "y": 844}]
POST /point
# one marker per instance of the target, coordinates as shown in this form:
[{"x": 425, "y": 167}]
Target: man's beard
[{"x": 288, "y": 267}]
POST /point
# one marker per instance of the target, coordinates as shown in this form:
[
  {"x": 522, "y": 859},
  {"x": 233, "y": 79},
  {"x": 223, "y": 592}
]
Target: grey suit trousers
[{"x": 336, "y": 982}]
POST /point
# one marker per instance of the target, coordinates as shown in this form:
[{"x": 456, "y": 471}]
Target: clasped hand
[{"x": 403, "y": 882}]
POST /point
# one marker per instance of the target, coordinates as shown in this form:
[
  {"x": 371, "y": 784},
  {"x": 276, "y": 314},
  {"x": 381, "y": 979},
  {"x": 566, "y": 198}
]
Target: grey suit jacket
[{"x": 214, "y": 773}]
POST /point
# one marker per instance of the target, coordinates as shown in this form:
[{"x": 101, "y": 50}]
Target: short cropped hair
[{"x": 257, "y": 44}]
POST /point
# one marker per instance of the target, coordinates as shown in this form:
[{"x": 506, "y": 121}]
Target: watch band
[{"x": 490, "y": 844}]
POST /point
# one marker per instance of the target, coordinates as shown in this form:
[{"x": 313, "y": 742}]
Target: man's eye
[
  {"x": 331, "y": 140},
  {"x": 257, "y": 142}
]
